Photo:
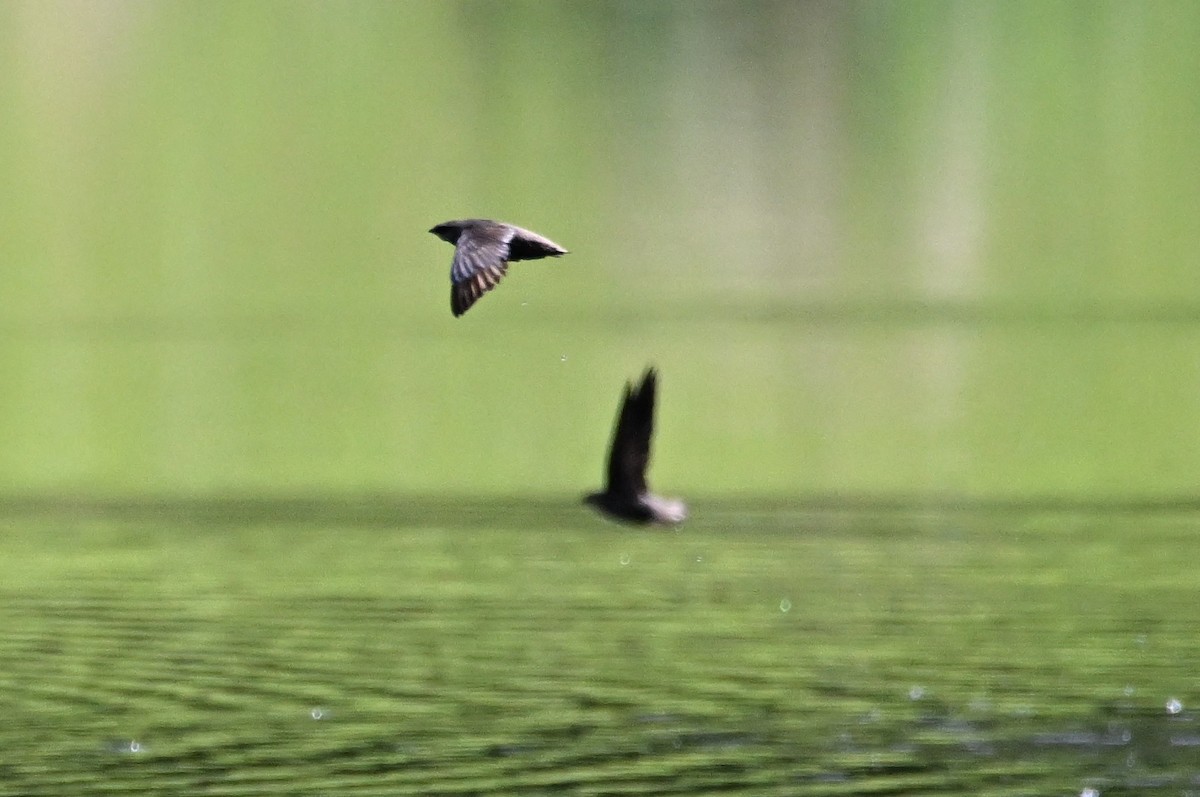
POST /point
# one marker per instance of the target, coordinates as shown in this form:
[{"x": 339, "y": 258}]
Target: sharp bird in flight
[
  {"x": 482, "y": 251},
  {"x": 626, "y": 496}
]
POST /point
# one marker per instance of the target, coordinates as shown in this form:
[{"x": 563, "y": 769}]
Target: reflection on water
[{"x": 285, "y": 646}]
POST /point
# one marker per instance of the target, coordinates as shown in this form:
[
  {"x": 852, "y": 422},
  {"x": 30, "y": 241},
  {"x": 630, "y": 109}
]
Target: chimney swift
[
  {"x": 482, "y": 251},
  {"x": 626, "y": 496}
]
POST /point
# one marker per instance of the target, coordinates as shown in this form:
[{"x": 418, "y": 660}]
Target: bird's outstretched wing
[
  {"x": 480, "y": 262},
  {"x": 629, "y": 454}
]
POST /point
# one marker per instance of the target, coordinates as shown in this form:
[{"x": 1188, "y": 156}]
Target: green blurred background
[{"x": 919, "y": 248}]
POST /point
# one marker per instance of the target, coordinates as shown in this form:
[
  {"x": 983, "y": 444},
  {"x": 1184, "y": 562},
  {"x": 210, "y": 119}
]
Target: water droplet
[
  {"x": 916, "y": 692},
  {"x": 317, "y": 713},
  {"x": 1129, "y": 690},
  {"x": 785, "y": 605},
  {"x": 562, "y": 359},
  {"x": 1089, "y": 792},
  {"x": 124, "y": 746},
  {"x": 699, "y": 559},
  {"x": 1174, "y": 706},
  {"x": 624, "y": 559}
]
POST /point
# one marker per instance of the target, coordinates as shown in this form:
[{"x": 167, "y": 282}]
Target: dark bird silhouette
[
  {"x": 626, "y": 496},
  {"x": 482, "y": 251}
]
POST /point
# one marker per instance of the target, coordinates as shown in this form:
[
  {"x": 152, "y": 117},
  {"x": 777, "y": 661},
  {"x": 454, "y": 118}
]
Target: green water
[
  {"x": 529, "y": 650},
  {"x": 919, "y": 279}
]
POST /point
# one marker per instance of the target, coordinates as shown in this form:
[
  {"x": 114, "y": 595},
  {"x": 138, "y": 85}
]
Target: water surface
[{"x": 523, "y": 647}]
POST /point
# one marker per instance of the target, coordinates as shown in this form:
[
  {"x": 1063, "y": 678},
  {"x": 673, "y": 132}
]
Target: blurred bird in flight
[{"x": 626, "y": 496}]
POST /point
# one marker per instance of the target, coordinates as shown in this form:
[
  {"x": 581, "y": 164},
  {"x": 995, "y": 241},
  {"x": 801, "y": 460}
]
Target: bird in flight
[
  {"x": 482, "y": 251},
  {"x": 626, "y": 497}
]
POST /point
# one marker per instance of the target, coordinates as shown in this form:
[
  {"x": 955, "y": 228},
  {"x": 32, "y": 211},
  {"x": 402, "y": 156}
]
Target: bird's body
[
  {"x": 482, "y": 251},
  {"x": 626, "y": 497}
]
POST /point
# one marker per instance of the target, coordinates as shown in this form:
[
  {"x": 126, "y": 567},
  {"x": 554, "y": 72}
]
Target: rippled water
[{"x": 415, "y": 646}]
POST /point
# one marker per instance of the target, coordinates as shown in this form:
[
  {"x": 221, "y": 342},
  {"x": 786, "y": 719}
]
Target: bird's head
[{"x": 448, "y": 231}]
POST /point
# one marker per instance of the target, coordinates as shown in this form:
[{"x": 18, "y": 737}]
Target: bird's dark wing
[
  {"x": 629, "y": 454},
  {"x": 528, "y": 245},
  {"x": 480, "y": 261}
]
